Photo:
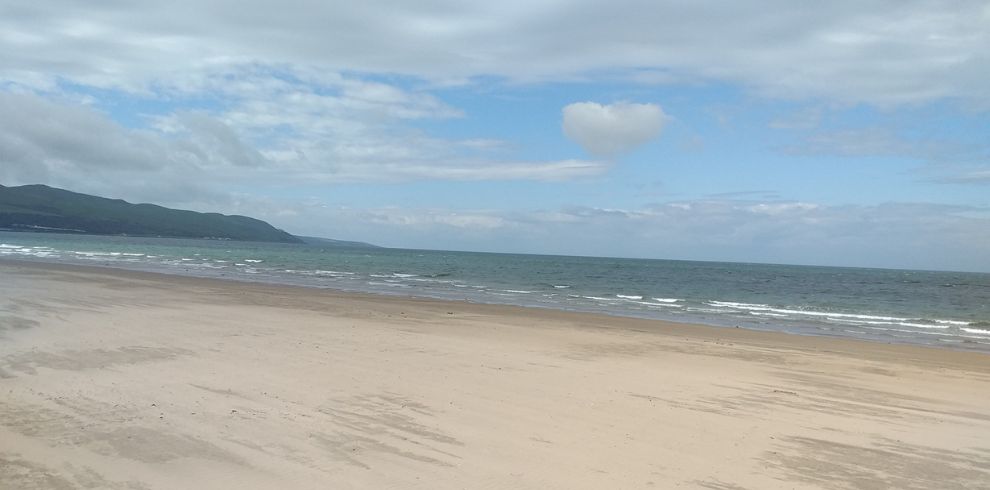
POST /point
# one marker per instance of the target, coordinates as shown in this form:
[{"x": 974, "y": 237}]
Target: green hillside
[{"x": 43, "y": 208}]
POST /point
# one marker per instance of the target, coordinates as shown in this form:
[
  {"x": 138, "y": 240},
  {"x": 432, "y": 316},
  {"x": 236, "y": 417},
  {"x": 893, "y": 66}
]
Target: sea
[{"x": 948, "y": 309}]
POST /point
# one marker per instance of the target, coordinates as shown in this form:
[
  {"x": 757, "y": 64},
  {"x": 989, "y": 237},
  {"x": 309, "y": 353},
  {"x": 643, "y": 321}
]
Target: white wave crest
[{"x": 850, "y": 317}]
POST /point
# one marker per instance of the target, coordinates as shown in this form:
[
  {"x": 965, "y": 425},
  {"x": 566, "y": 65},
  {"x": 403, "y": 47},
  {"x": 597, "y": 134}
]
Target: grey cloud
[
  {"x": 860, "y": 142},
  {"x": 210, "y": 140},
  {"x": 351, "y": 130},
  {"x": 807, "y": 118},
  {"x": 900, "y": 235},
  {"x": 608, "y": 130},
  {"x": 910, "y": 235},
  {"x": 888, "y": 52},
  {"x": 940, "y": 160},
  {"x": 37, "y": 132},
  {"x": 78, "y": 148},
  {"x": 189, "y": 156},
  {"x": 979, "y": 175},
  {"x": 465, "y": 170}
]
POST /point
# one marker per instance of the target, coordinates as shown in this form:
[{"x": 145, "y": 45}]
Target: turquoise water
[{"x": 918, "y": 307}]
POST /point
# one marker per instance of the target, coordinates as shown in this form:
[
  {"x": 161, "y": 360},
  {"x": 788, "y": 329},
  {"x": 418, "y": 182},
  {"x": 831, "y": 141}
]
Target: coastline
[
  {"x": 944, "y": 309},
  {"x": 123, "y": 379},
  {"x": 709, "y": 330}
]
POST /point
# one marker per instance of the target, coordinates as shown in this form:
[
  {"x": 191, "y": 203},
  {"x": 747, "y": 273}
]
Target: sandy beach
[{"x": 124, "y": 380}]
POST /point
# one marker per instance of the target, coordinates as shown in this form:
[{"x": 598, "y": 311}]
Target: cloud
[
  {"x": 948, "y": 161},
  {"x": 928, "y": 236},
  {"x": 884, "y": 53},
  {"x": 192, "y": 102},
  {"x": 860, "y": 142},
  {"x": 609, "y": 130},
  {"x": 79, "y": 148},
  {"x": 806, "y": 118},
  {"x": 978, "y": 176},
  {"x": 194, "y": 158}
]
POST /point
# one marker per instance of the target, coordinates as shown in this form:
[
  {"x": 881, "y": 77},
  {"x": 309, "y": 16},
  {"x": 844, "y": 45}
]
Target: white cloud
[
  {"x": 968, "y": 176},
  {"x": 806, "y": 118},
  {"x": 885, "y": 53},
  {"x": 951, "y": 161},
  {"x": 431, "y": 218},
  {"x": 608, "y": 130},
  {"x": 860, "y": 142},
  {"x": 927, "y": 236},
  {"x": 193, "y": 158},
  {"x": 329, "y": 92}
]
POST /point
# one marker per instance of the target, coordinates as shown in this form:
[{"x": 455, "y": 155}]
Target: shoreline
[
  {"x": 131, "y": 380},
  {"x": 944, "y": 309},
  {"x": 712, "y": 330}
]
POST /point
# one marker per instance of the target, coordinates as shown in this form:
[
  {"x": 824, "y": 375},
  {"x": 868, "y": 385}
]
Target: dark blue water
[{"x": 919, "y": 307}]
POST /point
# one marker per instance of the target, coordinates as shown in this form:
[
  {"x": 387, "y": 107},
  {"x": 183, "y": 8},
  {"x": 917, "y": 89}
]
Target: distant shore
[{"x": 122, "y": 379}]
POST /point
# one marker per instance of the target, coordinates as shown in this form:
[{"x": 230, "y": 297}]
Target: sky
[{"x": 831, "y": 133}]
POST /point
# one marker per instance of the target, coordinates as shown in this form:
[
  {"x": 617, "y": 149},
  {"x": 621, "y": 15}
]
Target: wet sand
[{"x": 125, "y": 380}]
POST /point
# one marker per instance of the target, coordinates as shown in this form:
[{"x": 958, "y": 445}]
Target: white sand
[{"x": 112, "y": 379}]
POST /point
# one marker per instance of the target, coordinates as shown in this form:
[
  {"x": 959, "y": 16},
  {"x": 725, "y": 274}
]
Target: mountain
[{"x": 43, "y": 208}]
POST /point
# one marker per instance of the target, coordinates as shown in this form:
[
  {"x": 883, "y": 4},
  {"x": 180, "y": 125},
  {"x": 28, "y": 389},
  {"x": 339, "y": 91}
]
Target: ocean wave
[
  {"x": 87, "y": 253},
  {"x": 650, "y": 304},
  {"x": 951, "y": 322},
  {"x": 427, "y": 280},
  {"x": 203, "y": 265},
  {"x": 705, "y": 310},
  {"x": 331, "y": 273},
  {"x": 40, "y": 252},
  {"x": 389, "y": 284},
  {"x": 881, "y": 322},
  {"x": 393, "y": 275},
  {"x": 732, "y": 304},
  {"x": 928, "y": 317},
  {"x": 850, "y": 317},
  {"x": 901, "y": 330}
]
